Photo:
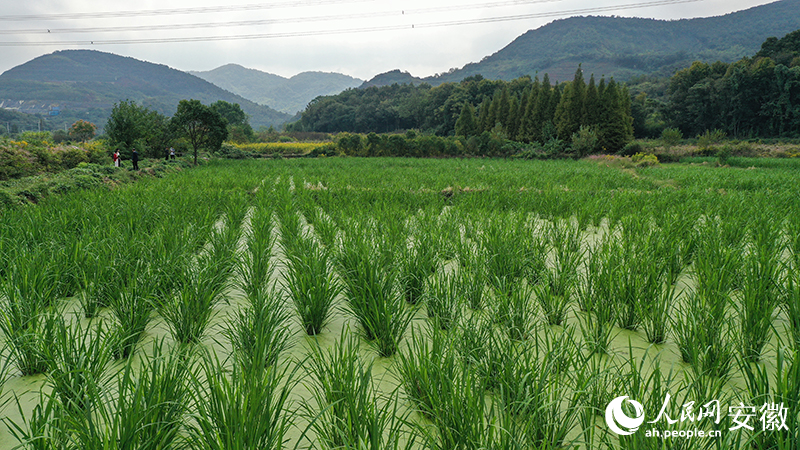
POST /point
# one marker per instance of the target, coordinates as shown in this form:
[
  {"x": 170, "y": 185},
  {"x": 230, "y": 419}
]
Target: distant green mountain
[
  {"x": 625, "y": 47},
  {"x": 393, "y": 77},
  {"x": 84, "y": 84},
  {"x": 288, "y": 95}
]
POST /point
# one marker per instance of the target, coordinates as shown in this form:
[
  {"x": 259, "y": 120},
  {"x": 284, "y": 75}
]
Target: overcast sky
[{"x": 361, "y": 38}]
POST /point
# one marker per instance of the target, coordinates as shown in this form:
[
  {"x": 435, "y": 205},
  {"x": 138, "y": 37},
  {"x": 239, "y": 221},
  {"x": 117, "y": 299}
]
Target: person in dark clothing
[{"x": 135, "y": 159}]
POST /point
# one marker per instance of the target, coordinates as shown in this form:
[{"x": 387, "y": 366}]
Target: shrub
[
  {"x": 36, "y": 137},
  {"x": 15, "y": 162},
  {"x": 644, "y": 160},
  {"x": 584, "y": 142},
  {"x": 72, "y": 156},
  {"x": 230, "y": 151},
  {"x": 709, "y": 137},
  {"x": 631, "y": 148},
  {"x": 671, "y": 137}
]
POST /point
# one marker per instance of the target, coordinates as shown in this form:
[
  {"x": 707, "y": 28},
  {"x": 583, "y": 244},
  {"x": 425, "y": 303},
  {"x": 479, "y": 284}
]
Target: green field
[{"x": 405, "y": 303}]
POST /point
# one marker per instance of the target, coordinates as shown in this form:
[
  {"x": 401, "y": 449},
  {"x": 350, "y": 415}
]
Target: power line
[
  {"x": 326, "y": 18},
  {"x": 176, "y": 11},
  {"x": 353, "y": 30}
]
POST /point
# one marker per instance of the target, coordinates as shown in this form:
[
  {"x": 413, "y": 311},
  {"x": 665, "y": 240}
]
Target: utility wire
[
  {"x": 353, "y": 30},
  {"x": 176, "y": 11},
  {"x": 325, "y": 18}
]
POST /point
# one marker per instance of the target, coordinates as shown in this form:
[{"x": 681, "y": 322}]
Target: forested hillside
[
  {"x": 86, "y": 83},
  {"x": 288, "y": 95},
  {"x": 753, "y": 97},
  {"x": 627, "y": 47},
  {"x": 523, "y": 110}
]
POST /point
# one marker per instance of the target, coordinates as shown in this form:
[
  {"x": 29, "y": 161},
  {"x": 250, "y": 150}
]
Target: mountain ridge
[
  {"x": 626, "y": 47},
  {"x": 86, "y": 83},
  {"x": 288, "y": 95}
]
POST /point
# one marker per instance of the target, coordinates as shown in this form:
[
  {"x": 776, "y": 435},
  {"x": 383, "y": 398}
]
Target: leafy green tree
[
  {"x": 201, "y": 125},
  {"x": 82, "y": 130},
  {"x": 615, "y": 126},
  {"x": 503, "y": 108},
  {"x": 131, "y": 125},
  {"x": 239, "y": 128},
  {"x": 591, "y": 105},
  {"x": 541, "y": 112},
  {"x": 528, "y": 119},
  {"x": 512, "y": 122},
  {"x": 466, "y": 125},
  {"x": 124, "y": 125},
  {"x": 569, "y": 113},
  {"x": 483, "y": 115}
]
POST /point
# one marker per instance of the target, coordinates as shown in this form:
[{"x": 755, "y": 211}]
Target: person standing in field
[
  {"x": 135, "y": 159},
  {"x": 171, "y": 153},
  {"x": 115, "y": 156}
]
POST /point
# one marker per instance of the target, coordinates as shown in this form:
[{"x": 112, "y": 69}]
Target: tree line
[
  {"x": 523, "y": 110},
  {"x": 133, "y": 126},
  {"x": 757, "y": 97},
  {"x": 752, "y": 97}
]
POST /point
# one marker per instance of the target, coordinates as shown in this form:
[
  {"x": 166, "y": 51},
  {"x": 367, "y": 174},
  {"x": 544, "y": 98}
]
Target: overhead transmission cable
[
  {"x": 323, "y": 18},
  {"x": 357, "y": 29}
]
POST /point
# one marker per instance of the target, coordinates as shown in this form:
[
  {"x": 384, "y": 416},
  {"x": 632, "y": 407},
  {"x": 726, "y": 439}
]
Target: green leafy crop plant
[
  {"x": 687, "y": 252},
  {"x": 346, "y": 409},
  {"x": 311, "y": 282}
]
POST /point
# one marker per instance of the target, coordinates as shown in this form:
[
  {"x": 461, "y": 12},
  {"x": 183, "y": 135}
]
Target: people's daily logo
[
  {"x": 618, "y": 420},
  {"x": 694, "y": 419}
]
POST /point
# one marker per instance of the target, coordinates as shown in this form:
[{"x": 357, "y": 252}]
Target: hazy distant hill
[
  {"x": 289, "y": 95},
  {"x": 86, "y": 83},
  {"x": 626, "y": 47},
  {"x": 392, "y": 77}
]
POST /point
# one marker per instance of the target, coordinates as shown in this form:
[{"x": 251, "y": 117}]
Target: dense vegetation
[
  {"x": 86, "y": 84},
  {"x": 756, "y": 97},
  {"x": 444, "y": 304},
  {"x": 288, "y": 95},
  {"x": 625, "y": 47},
  {"x": 522, "y": 110}
]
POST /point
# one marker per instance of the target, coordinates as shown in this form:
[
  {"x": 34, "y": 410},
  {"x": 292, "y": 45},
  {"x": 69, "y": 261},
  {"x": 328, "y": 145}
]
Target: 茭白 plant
[{"x": 311, "y": 283}]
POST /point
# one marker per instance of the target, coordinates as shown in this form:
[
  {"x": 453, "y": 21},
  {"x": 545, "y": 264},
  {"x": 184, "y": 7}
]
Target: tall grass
[
  {"x": 151, "y": 405},
  {"x": 189, "y": 313},
  {"x": 444, "y": 299},
  {"x": 371, "y": 296},
  {"x": 259, "y": 332},
  {"x": 243, "y": 410},
  {"x": 505, "y": 243},
  {"x": 566, "y": 240},
  {"x": 347, "y": 411},
  {"x": 554, "y": 307},
  {"x": 791, "y": 306},
  {"x": 535, "y": 388},
  {"x": 254, "y": 268},
  {"x": 472, "y": 278},
  {"x": 760, "y": 292},
  {"x": 595, "y": 297},
  {"x": 132, "y": 308},
  {"x": 447, "y": 391},
  {"x": 702, "y": 326},
  {"x": 311, "y": 283},
  {"x": 28, "y": 291},
  {"x": 418, "y": 261},
  {"x": 77, "y": 358},
  {"x": 779, "y": 390},
  {"x": 514, "y": 309}
]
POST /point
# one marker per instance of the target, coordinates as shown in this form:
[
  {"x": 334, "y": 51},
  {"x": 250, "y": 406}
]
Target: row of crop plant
[{"x": 174, "y": 315}]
